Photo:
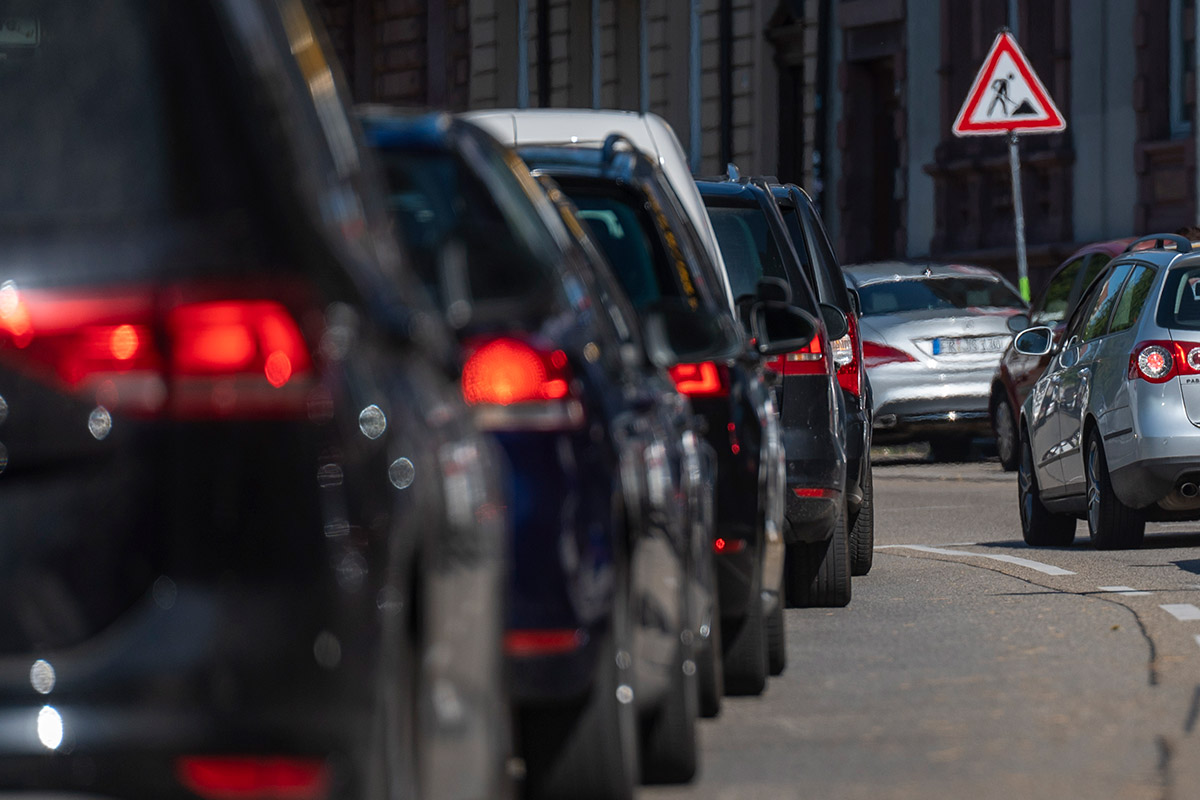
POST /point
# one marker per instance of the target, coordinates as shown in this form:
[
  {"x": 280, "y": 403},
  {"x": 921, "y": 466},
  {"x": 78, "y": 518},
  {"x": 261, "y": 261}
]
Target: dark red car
[{"x": 1017, "y": 373}]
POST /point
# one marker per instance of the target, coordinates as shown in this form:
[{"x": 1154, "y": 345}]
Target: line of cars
[{"x": 336, "y": 471}]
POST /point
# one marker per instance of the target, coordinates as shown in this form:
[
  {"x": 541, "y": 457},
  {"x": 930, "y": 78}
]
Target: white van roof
[{"x": 648, "y": 132}]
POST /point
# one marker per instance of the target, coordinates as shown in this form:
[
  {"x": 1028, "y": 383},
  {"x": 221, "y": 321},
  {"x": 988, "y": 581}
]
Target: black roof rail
[{"x": 1182, "y": 244}]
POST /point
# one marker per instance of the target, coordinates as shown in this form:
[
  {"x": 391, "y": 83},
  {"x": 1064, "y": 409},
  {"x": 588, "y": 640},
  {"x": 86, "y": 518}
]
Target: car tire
[
  {"x": 776, "y": 640},
  {"x": 1039, "y": 526},
  {"x": 1004, "y": 427},
  {"x": 710, "y": 668},
  {"x": 746, "y": 652},
  {"x": 588, "y": 749},
  {"x": 1112, "y": 524},
  {"x": 817, "y": 575},
  {"x": 862, "y": 532},
  {"x": 669, "y": 751}
]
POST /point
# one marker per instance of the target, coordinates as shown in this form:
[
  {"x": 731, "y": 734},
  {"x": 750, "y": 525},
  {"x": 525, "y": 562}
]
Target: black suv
[
  {"x": 759, "y": 252},
  {"x": 821, "y": 266},
  {"x": 638, "y": 222},
  {"x": 252, "y": 544}
]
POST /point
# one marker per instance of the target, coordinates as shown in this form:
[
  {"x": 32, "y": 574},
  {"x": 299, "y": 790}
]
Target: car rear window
[
  {"x": 442, "y": 208},
  {"x": 1179, "y": 305},
  {"x": 749, "y": 251},
  {"x": 932, "y": 294},
  {"x": 634, "y": 241},
  {"x": 120, "y": 119}
]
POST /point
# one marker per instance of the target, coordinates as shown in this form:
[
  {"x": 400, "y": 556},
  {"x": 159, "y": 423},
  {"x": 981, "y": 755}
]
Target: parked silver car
[
  {"x": 1111, "y": 431},
  {"x": 932, "y": 338}
]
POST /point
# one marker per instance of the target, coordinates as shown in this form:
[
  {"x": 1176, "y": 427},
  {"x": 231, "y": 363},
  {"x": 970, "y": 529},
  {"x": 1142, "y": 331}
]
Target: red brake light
[
  {"x": 526, "y": 643},
  {"x": 254, "y": 778},
  {"x": 1160, "y": 360},
  {"x": 505, "y": 371},
  {"x": 139, "y": 352},
  {"x": 876, "y": 355},
  {"x": 848, "y": 356},
  {"x": 808, "y": 360},
  {"x": 724, "y": 546},
  {"x": 705, "y": 379}
]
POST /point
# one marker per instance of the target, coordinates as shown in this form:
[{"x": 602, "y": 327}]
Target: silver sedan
[
  {"x": 1111, "y": 430},
  {"x": 932, "y": 336}
]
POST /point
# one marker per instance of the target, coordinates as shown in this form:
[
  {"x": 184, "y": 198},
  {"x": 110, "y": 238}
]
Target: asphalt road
[{"x": 971, "y": 666}]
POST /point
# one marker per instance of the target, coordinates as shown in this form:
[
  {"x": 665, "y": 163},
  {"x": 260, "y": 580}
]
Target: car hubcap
[{"x": 1093, "y": 488}]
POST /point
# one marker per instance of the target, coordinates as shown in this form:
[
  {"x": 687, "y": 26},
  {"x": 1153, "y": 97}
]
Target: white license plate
[
  {"x": 19, "y": 32},
  {"x": 969, "y": 344}
]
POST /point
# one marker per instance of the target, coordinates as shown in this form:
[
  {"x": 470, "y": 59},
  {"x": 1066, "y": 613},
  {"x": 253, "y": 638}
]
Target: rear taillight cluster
[
  {"x": 876, "y": 355},
  {"x": 173, "y": 352},
  {"x": 516, "y": 385},
  {"x": 704, "y": 379},
  {"x": 808, "y": 360},
  {"x": 1157, "y": 361},
  {"x": 847, "y": 358}
]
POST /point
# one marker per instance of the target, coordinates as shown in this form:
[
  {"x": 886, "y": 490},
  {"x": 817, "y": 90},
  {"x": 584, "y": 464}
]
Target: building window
[{"x": 1182, "y": 61}]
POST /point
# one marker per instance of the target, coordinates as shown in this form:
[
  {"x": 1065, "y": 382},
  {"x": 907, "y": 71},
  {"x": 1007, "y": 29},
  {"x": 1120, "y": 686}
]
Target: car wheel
[
  {"x": 817, "y": 575},
  {"x": 1039, "y": 526},
  {"x": 710, "y": 669},
  {"x": 776, "y": 640},
  {"x": 1112, "y": 524},
  {"x": 1008, "y": 447},
  {"x": 669, "y": 733},
  {"x": 590, "y": 748},
  {"x": 862, "y": 532},
  {"x": 746, "y": 651}
]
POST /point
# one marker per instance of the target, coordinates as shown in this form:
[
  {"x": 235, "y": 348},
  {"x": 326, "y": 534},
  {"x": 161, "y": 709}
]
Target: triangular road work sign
[{"x": 1007, "y": 96}]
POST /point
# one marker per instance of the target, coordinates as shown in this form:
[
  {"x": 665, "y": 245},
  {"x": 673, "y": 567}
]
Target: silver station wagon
[{"x": 1111, "y": 431}]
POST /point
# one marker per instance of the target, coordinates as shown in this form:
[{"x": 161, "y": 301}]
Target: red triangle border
[{"x": 1051, "y": 123}]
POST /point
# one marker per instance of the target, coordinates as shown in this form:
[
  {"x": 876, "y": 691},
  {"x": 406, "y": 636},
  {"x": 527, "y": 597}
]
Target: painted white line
[
  {"x": 1021, "y": 562},
  {"x": 1184, "y": 612},
  {"x": 1125, "y": 590}
]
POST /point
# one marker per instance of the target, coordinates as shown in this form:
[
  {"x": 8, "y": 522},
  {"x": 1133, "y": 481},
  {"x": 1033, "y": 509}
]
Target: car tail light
[
  {"x": 1159, "y": 361},
  {"x": 157, "y": 352},
  {"x": 514, "y": 385},
  {"x": 876, "y": 355},
  {"x": 526, "y": 643},
  {"x": 723, "y": 546},
  {"x": 704, "y": 379},
  {"x": 254, "y": 777},
  {"x": 846, "y": 357},
  {"x": 808, "y": 360}
]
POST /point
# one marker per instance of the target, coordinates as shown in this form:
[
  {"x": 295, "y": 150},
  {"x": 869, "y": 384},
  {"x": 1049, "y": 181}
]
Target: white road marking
[
  {"x": 1184, "y": 612},
  {"x": 1125, "y": 590},
  {"x": 1021, "y": 562},
  {"x": 1197, "y": 638}
]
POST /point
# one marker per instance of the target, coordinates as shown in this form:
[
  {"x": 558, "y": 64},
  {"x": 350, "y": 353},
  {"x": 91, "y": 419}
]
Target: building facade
[{"x": 853, "y": 99}]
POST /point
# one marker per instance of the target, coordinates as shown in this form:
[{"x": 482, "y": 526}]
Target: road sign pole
[{"x": 1014, "y": 160}]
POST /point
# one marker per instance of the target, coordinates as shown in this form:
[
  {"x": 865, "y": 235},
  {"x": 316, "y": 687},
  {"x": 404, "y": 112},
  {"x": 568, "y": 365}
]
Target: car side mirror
[
  {"x": 1018, "y": 322},
  {"x": 780, "y": 328},
  {"x": 1034, "y": 341},
  {"x": 678, "y": 334},
  {"x": 836, "y": 324},
  {"x": 774, "y": 290}
]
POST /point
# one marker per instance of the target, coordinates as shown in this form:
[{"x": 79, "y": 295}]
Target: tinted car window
[
  {"x": 1106, "y": 298},
  {"x": 746, "y": 245},
  {"x": 439, "y": 202},
  {"x": 829, "y": 277},
  {"x": 639, "y": 250},
  {"x": 891, "y": 297},
  {"x": 1133, "y": 298},
  {"x": 1180, "y": 303},
  {"x": 1055, "y": 302}
]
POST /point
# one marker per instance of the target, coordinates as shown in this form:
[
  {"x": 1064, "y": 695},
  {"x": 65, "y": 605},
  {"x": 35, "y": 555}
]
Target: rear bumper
[
  {"x": 812, "y": 519},
  {"x": 913, "y": 402}
]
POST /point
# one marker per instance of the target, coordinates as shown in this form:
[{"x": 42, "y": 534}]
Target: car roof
[{"x": 877, "y": 272}]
